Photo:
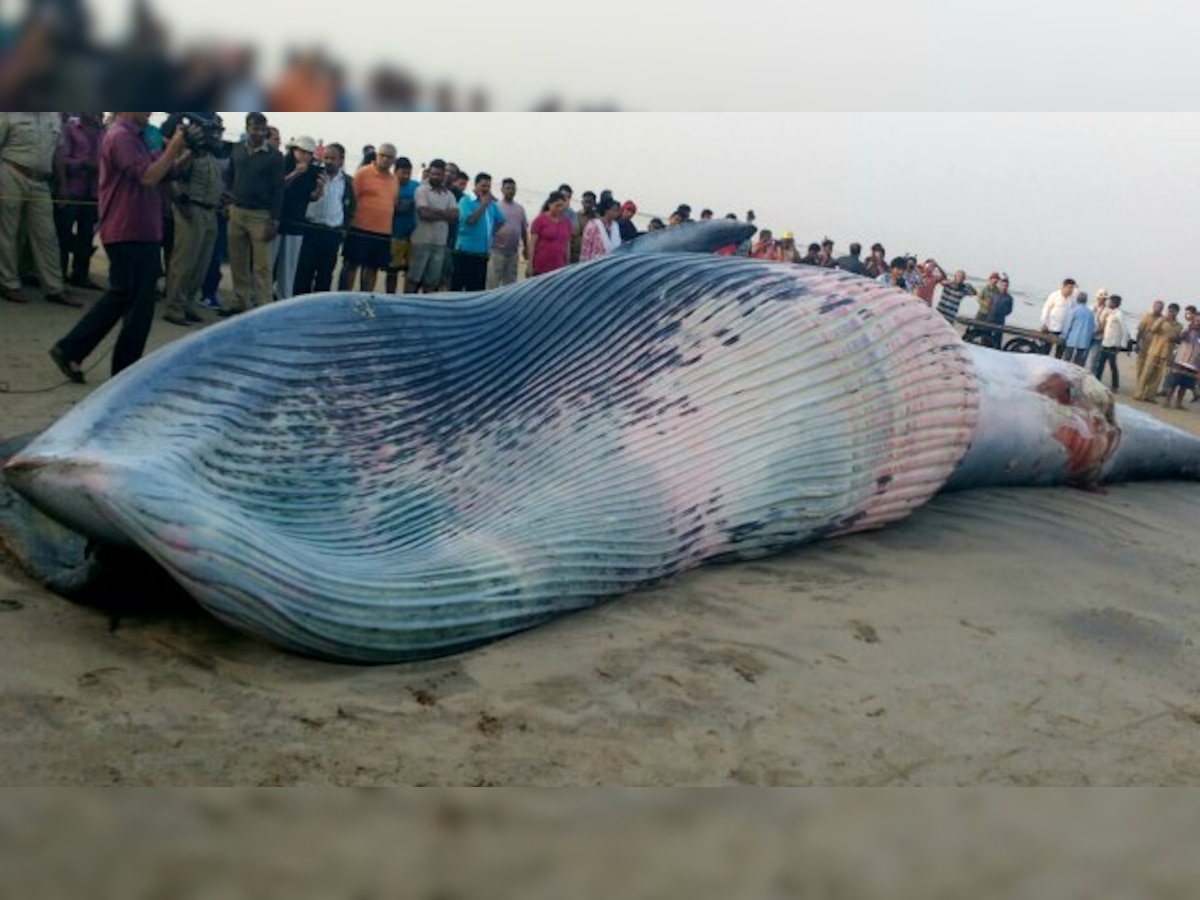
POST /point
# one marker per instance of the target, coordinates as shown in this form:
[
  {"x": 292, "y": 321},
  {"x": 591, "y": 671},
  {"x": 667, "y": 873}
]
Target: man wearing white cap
[
  {"x": 303, "y": 182},
  {"x": 1100, "y": 312}
]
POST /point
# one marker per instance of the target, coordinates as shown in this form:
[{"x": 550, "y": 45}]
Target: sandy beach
[{"x": 1004, "y": 636}]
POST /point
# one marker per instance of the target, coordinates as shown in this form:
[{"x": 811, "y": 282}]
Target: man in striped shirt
[{"x": 953, "y": 292}]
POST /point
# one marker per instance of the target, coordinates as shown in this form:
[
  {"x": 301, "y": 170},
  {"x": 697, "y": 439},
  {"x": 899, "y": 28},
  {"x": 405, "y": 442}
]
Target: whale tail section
[{"x": 1152, "y": 450}]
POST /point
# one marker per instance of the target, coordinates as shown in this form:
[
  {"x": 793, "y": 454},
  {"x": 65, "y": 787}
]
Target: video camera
[{"x": 210, "y": 123}]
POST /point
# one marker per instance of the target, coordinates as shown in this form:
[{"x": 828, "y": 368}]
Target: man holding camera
[
  {"x": 304, "y": 182},
  {"x": 131, "y": 229},
  {"x": 326, "y": 221},
  {"x": 196, "y": 198},
  {"x": 255, "y": 184}
]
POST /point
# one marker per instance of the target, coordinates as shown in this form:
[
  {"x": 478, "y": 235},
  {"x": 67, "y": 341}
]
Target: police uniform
[{"x": 28, "y": 142}]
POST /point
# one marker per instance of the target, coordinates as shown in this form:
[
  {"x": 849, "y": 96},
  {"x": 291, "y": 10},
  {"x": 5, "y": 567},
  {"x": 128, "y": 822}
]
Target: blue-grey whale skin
[{"x": 377, "y": 478}]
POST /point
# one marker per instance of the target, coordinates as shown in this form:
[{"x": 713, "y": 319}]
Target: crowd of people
[
  {"x": 1093, "y": 335},
  {"x": 57, "y": 56},
  {"x": 172, "y": 204}
]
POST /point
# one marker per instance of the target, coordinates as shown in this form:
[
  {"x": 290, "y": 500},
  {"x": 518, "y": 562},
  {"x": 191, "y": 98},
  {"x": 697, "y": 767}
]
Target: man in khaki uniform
[
  {"x": 1143, "y": 336},
  {"x": 1164, "y": 335},
  {"x": 196, "y": 196},
  {"x": 28, "y": 142}
]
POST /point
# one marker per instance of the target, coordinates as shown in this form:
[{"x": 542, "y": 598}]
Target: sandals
[{"x": 68, "y": 368}]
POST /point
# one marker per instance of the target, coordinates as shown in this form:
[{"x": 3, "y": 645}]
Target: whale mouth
[{"x": 66, "y": 489}]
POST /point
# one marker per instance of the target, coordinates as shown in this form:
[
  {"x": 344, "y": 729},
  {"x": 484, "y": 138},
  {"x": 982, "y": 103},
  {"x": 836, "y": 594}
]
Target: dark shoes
[
  {"x": 12, "y": 296},
  {"x": 229, "y": 313},
  {"x": 85, "y": 283},
  {"x": 64, "y": 299},
  {"x": 188, "y": 318},
  {"x": 70, "y": 370}
]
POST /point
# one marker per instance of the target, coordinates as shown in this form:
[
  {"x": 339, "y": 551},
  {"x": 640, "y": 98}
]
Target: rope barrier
[{"x": 6, "y": 388}]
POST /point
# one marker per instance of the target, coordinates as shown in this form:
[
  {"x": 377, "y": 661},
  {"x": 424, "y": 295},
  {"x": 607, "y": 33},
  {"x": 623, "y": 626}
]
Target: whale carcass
[{"x": 377, "y": 479}]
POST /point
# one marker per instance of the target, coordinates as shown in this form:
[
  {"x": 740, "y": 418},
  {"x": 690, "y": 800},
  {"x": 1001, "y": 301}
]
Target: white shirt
[
  {"x": 1116, "y": 335},
  {"x": 328, "y": 210},
  {"x": 1055, "y": 311},
  {"x": 610, "y": 236}
]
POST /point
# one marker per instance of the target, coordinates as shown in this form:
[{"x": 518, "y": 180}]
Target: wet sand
[{"x": 1016, "y": 636}]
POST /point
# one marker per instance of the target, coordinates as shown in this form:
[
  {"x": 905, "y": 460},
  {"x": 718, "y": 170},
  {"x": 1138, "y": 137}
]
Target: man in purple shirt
[
  {"x": 511, "y": 237},
  {"x": 131, "y": 229},
  {"x": 79, "y": 162}
]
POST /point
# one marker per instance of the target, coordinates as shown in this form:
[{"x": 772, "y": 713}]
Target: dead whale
[{"x": 378, "y": 479}]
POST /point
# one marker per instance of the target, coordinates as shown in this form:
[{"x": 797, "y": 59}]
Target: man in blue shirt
[
  {"x": 404, "y": 223},
  {"x": 1079, "y": 324},
  {"x": 478, "y": 219}
]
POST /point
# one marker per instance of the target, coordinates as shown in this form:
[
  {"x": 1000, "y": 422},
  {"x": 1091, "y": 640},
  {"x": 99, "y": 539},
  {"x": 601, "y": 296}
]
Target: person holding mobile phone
[{"x": 479, "y": 217}]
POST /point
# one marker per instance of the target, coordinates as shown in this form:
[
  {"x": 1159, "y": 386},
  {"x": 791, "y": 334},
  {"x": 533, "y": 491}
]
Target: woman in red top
[{"x": 550, "y": 237}]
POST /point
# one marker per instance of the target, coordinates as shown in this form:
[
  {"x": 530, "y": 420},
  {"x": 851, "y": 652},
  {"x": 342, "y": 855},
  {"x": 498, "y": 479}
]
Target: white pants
[{"x": 288, "y": 260}]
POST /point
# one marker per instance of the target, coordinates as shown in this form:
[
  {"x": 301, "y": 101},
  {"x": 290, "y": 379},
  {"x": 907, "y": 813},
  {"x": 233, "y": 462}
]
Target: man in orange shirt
[{"x": 369, "y": 243}]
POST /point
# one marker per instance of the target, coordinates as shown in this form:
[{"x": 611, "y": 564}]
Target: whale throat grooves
[{"x": 377, "y": 479}]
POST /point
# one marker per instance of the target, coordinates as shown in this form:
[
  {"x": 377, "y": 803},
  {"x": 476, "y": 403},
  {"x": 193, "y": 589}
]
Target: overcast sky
[
  {"x": 1107, "y": 198},
  {"x": 721, "y": 55}
]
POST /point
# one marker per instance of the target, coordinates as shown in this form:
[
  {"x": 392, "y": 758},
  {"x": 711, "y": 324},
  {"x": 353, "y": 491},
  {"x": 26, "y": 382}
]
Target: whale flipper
[{"x": 690, "y": 237}]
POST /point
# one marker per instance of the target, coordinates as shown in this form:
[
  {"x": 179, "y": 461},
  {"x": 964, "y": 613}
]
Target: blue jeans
[{"x": 1107, "y": 357}]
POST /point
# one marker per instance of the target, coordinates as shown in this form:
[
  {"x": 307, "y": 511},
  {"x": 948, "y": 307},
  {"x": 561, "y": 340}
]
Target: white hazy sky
[
  {"x": 1107, "y": 198},
  {"x": 721, "y": 55}
]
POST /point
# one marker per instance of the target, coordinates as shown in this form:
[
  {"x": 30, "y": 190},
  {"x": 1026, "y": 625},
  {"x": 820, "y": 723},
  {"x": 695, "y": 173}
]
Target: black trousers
[
  {"x": 318, "y": 256},
  {"x": 470, "y": 272},
  {"x": 76, "y": 224},
  {"x": 133, "y": 271}
]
